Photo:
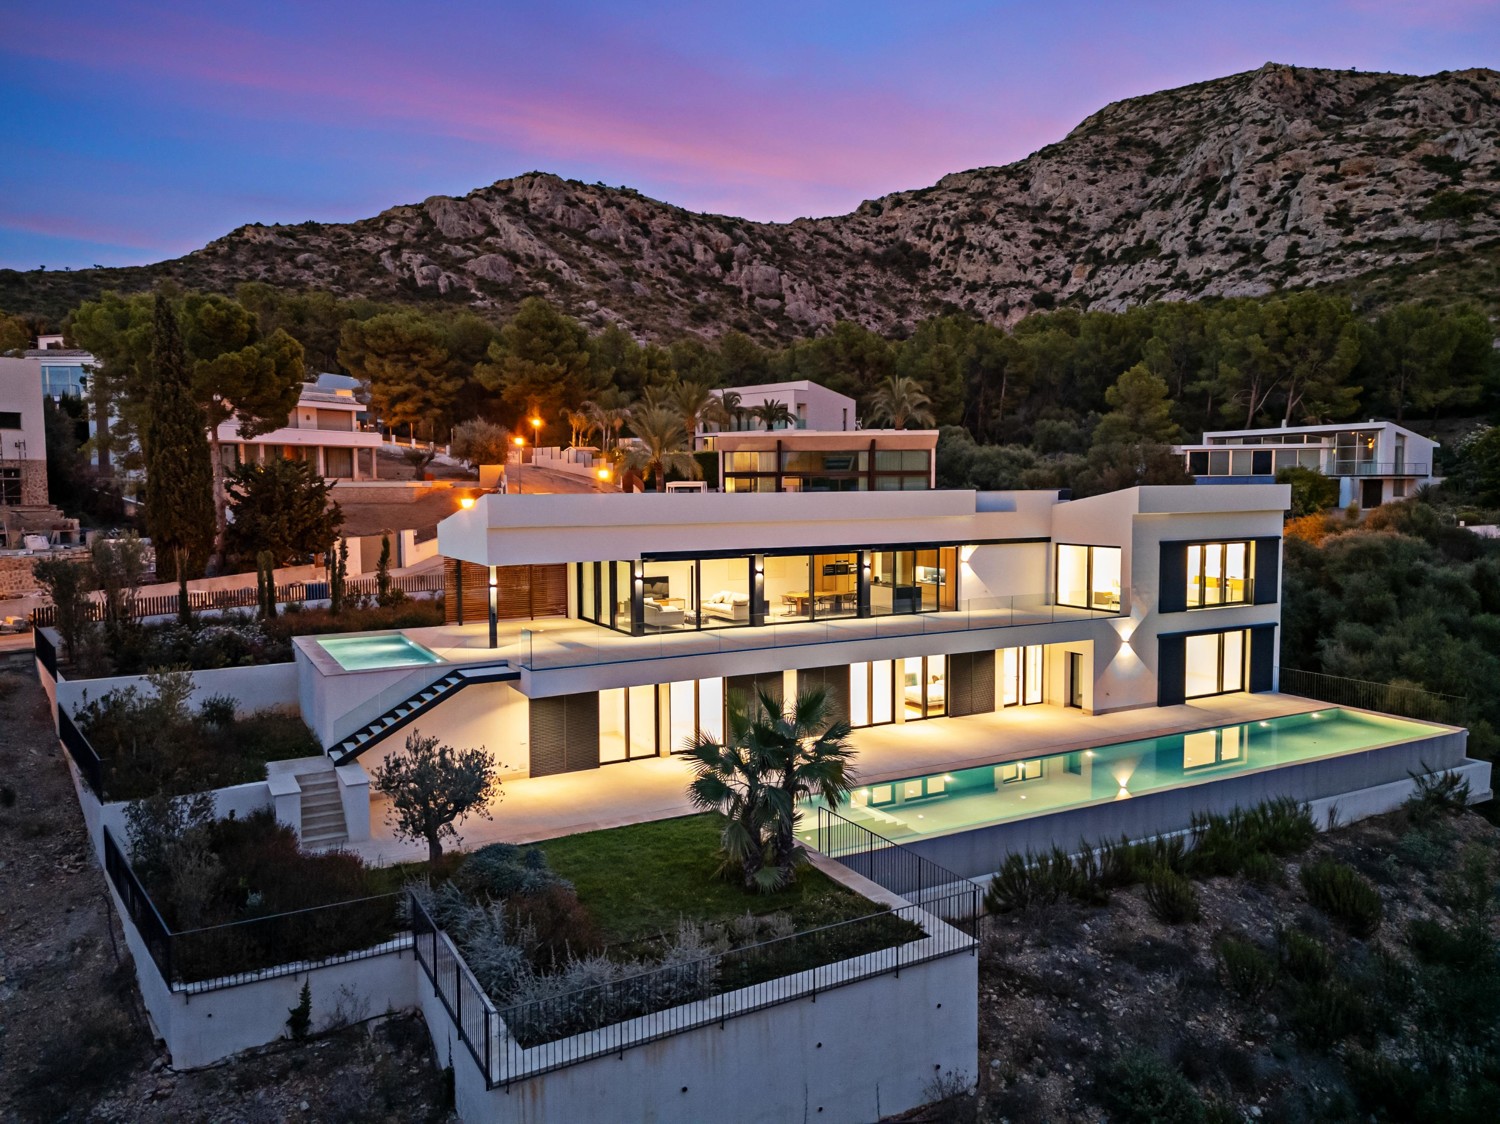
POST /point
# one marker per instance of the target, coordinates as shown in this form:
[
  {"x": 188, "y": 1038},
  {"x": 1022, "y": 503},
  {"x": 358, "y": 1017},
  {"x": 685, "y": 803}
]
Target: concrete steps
[{"x": 323, "y": 823}]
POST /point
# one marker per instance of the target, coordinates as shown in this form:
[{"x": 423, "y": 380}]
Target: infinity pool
[
  {"x": 968, "y": 798},
  {"x": 364, "y": 653}
]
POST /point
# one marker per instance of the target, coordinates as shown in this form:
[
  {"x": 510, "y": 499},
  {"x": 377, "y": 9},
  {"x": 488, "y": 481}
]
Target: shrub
[
  {"x": 299, "y": 1018},
  {"x": 217, "y": 710},
  {"x": 1141, "y": 1088},
  {"x": 1248, "y": 969},
  {"x": 1303, "y": 957},
  {"x": 1171, "y": 897},
  {"x": 1243, "y": 839},
  {"x": 1044, "y": 878},
  {"x": 1263, "y": 869},
  {"x": 1435, "y": 795},
  {"x": 501, "y": 870},
  {"x": 1344, "y": 894},
  {"x": 1327, "y": 1013}
]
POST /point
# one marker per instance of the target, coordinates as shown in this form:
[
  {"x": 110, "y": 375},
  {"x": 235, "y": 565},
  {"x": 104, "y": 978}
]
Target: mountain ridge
[{"x": 1276, "y": 177}]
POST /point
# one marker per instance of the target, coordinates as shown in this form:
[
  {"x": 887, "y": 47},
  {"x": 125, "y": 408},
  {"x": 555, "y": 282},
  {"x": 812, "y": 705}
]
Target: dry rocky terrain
[
  {"x": 74, "y": 1041},
  {"x": 1282, "y": 176}
]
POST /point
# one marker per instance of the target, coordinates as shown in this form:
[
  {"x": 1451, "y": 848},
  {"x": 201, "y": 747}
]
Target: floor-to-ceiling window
[
  {"x": 1215, "y": 663},
  {"x": 658, "y": 718},
  {"x": 788, "y": 587},
  {"x": 872, "y": 693},
  {"x": 1088, "y": 577},
  {"x": 1021, "y": 675},
  {"x": 924, "y": 687}
]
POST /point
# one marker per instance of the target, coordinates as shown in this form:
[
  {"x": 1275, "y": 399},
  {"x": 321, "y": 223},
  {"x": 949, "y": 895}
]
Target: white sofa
[
  {"x": 727, "y": 606},
  {"x": 662, "y": 616}
]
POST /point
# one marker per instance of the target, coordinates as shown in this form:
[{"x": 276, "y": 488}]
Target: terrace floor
[
  {"x": 558, "y": 642},
  {"x": 654, "y": 788}
]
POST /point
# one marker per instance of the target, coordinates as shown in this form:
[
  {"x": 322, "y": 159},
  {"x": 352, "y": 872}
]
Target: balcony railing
[
  {"x": 552, "y": 649},
  {"x": 1375, "y": 468}
]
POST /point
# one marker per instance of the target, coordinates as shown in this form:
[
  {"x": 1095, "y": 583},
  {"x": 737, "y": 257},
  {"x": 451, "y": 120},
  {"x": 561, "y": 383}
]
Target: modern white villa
[
  {"x": 324, "y": 430},
  {"x": 1374, "y": 462},
  {"x": 812, "y": 406}
]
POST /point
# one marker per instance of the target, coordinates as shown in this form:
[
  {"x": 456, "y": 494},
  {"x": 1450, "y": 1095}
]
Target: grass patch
[{"x": 639, "y": 881}]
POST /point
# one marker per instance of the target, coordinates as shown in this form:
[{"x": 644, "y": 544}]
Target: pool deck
[{"x": 654, "y": 788}]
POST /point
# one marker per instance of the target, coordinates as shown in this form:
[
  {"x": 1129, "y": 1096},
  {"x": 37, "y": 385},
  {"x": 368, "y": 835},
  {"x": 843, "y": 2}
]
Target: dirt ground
[{"x": 75, "y": 1044}]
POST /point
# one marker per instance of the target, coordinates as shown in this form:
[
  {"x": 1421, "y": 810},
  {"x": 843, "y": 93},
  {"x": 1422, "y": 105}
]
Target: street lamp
[
  {"x": 536, "y": 430},
  {"x": 605, "y": 476}
]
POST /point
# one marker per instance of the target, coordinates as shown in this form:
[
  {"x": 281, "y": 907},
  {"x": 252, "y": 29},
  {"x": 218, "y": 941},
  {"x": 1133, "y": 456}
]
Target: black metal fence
[
  {"x": 46, "y": 651},
  {"x": 168, "y": 604},
  {"x": 90, "y": 764},
  {"x": 898, "y": 869},
  {"x": 465, "y": 1001},
  {"x": 281, "y": 944},
  {"x": 524, "y": 1040},
  {"x": 1389, "y": 698}
]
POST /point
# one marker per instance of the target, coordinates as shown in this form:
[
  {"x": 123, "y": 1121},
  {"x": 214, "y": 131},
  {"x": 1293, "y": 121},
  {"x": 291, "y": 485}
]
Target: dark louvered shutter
[
  {"x": 1268, "y": 570},
  {"x": 1262, "y": 656},
  {"x": 1172, "y": 597},
  {"x": 564, "y": 734},
  {"x": 971, "y": 683},
  {"x": 1171, "y": 670},
  {"x": 834, "y": 680}
]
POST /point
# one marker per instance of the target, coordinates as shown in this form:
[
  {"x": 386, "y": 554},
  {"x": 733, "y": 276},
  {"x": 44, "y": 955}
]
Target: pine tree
[{"x": 179, "y": 476}]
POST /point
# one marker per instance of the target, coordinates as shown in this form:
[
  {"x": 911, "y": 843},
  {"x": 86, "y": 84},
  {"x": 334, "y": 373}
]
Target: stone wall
[{"x": 16, "y": 577}]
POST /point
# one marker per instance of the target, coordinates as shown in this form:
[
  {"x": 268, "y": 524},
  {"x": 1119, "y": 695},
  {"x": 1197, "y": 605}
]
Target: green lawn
[{"x": 637, "y": 881}]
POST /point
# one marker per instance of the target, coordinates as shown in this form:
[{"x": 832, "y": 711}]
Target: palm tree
[
  {"x": 901, "y": 400},
  {"x": 772, "y": 413},
  {"x": 582, "y": 423},
  {"x": 734, "y": 412},
  {"x": 608, "y": 420},
  {"x": 699, "y": 406},
  {"x": 772, "y": 761},
  {"x": 661, "y": 446}
]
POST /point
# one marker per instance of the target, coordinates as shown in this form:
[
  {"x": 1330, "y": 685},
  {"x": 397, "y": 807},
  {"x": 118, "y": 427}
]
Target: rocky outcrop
[{"x": 1280, "y": 176}]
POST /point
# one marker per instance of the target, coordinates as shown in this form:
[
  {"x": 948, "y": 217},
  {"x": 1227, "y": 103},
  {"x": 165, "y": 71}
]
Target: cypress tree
[{"x": 179, "y": 475}]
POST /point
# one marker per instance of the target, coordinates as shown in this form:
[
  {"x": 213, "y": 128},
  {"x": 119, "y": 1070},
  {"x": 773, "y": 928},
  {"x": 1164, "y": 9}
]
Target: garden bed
[
  {"x": 592, "y": 929},
  {"x": 156, "y": 744},
  {"x": 235, "y": 639}
]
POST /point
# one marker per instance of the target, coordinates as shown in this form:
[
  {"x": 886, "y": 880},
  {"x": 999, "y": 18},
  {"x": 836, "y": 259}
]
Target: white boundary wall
[{"x": 262, "y": 687}]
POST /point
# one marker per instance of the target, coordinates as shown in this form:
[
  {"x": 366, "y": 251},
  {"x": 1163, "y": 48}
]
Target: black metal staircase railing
[{"x": 408, "y": 709}]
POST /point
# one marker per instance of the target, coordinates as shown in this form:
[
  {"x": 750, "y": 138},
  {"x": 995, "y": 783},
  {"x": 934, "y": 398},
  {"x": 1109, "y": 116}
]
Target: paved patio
[{"x": 654, "y": 788}]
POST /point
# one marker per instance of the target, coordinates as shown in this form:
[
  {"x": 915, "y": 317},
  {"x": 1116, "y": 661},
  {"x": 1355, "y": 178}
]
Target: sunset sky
[{"x": 136, "y": 132}]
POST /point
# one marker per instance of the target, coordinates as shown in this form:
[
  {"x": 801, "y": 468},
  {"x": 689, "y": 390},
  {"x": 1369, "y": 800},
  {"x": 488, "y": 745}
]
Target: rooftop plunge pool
[
  {"x": 966, "y": 799},
  {"x": 378, "y": 650}
]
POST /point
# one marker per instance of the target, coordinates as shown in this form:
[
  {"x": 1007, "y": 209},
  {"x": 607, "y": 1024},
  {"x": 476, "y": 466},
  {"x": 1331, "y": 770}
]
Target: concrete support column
[
  {"x": 322, "y": 462},
  {"x": 494, "y": 609}
]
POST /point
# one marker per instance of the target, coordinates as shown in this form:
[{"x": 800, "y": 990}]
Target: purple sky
[{"x": 138, "y": 132}]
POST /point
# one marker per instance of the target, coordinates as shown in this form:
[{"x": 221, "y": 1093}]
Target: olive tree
[{"x": 432, "y": 786}]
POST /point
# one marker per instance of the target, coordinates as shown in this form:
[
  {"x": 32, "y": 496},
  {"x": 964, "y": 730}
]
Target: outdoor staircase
[
  {"x": 323, "y": 822},
  {"x": 408, "y": 709}
]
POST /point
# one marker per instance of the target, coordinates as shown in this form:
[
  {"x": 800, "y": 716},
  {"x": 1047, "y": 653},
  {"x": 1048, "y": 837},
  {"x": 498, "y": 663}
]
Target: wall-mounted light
[{"x": 466, "y": 502}]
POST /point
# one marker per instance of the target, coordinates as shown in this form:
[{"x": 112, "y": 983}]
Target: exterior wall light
[{"x": 466, "y": 502}]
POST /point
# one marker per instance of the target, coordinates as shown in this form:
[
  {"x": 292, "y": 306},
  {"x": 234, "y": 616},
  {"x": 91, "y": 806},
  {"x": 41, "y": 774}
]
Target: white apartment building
[
  {"x": 812, "y": 406},
  {"x": 323, "y": 430},
  {"x": 1374, "y": 462},
  {"x": 23, "y": 435}
]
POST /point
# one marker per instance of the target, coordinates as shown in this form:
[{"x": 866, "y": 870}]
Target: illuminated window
[
  {"x": 1215, "y": 664},
  {"x": 1088, "y": 577},
  {"x": 1218, "y": 574}
]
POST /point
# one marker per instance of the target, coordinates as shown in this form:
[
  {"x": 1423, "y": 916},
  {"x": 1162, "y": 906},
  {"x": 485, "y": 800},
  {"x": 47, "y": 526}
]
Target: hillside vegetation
[{"x": 1276, "y": 178}]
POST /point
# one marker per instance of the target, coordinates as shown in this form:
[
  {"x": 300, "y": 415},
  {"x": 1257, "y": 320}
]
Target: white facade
[
  {"x": 908, "y": 606},
  {"x": 812, "y": 406},
  {"x": 323, "y": 430},
  {"x": 1375, "y": 462}
]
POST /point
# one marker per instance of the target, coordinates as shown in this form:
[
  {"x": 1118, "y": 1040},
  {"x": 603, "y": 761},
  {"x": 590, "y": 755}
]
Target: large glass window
[
  {"x": 1215, "y": 664},
  {"x": 627, "y": 724},
  {"x": 1218, "y": 574},
  {"x": 670, "y": 591},
  {"x": 924, "y": 683},
  {"x": 835, "y": 591},
  {"x": 872, "y": 693},
  {"x": 724, "y": 599},
  {"x": 1088, "y": 577},
  {"x": 893, "y": 583},
  {"x": 1021, "y": 675},
  {"x": 788, "y": 588}
]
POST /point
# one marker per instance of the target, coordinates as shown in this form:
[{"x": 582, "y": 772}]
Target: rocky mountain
[{"x": 1282, "y": 176}]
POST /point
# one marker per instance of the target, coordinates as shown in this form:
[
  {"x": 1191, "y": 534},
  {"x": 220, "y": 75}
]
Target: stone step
[{"x": 334, "y": 839}]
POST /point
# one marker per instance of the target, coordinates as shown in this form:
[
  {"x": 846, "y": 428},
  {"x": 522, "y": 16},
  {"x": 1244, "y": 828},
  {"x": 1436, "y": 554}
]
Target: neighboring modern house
[
  {"x": 325, "y": 430},
  {"x": 812, "y": 406},
  {"x": 64, "y": 370},
  {"x": 1375, "y": 462},
  {"x": 807, "y": 460},
  {"x": 617, "y": 625}
]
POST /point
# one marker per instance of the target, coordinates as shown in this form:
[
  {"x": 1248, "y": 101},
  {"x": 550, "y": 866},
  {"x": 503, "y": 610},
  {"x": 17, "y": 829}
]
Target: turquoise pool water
[
  {"x": 364, "y": 653},
  {"x": 968, "y": 798}
]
